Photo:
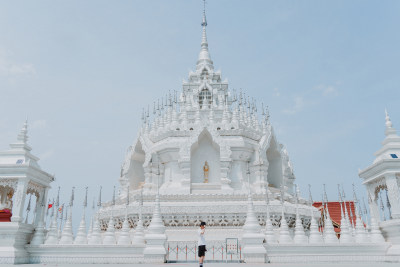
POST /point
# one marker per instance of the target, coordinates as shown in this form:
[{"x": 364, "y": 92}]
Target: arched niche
[
  {"x": 275, "y": 175},
  {"x": 136, "y": 170},
  {"x": 6, "y": 197},
  {"x": 205, "y": 98},
  {"x": 201, "y": 151}
]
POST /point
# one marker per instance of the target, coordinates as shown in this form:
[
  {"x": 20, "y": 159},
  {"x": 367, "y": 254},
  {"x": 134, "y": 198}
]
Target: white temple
[
  {"x": 205, "y": 149},
  {"x": 205, "y": 155}
]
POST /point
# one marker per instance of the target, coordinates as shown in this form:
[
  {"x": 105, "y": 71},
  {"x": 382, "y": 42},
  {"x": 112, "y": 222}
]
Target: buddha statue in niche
[{"x": 206, "y": 169}]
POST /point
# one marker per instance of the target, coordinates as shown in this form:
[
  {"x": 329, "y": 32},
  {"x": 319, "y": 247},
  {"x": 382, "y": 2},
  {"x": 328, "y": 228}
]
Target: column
[
  {"x": 373, "y": 205},
  {"x": 39, "y": 235},
  {"x": 41, "y": 211},
  {"x": 147, "y": 179},
  {"x": 259, "y": 172},
  {"x": 393, "y": 194},
  {"x": 19, "y": 201},
  {"x": 225, "y": 181},
  {"x": 184, "y": 165},
  {"x": 159, "y": 179}
]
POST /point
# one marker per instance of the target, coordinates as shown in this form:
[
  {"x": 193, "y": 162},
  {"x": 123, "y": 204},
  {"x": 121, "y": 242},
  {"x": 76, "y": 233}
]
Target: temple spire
[
  {"x": 204, "y": 56},
  {"x": 23, "y": 135},
  {"x": 389, "y": 129}
]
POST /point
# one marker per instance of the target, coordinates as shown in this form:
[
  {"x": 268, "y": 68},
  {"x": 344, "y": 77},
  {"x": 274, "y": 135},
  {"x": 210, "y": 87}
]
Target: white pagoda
[
  {"x": 204, "y": 156},
  {"x": 204, "y": 149}
]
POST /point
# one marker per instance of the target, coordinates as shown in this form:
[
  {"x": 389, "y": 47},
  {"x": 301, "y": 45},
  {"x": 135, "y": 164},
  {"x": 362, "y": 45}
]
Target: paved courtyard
[{"x": 213, "y": 264}]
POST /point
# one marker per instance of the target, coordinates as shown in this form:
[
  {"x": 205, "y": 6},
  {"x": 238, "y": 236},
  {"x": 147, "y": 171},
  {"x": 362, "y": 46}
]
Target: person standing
[{"x": 201, "y": 243}]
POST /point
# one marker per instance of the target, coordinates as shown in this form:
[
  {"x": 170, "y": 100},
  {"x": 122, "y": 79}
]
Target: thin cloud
[
  {"x": 11, "y": 69},
  {"x": 22, "y": 69},
  {"x": 39, "y": 124},
  {"x": 277, "y": 92},
  {"x": 298, "y": 105},
  {"x": 47, "y": 154},
  {"x": 327, "y": 90},
  {"x": 313, "y": 96}
]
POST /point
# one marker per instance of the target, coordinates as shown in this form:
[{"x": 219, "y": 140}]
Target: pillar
[
  {"x": 373, "y": 204},
  {"x": 39, "y": 235},
  {"x": 19, "y": 201},
  {"x": 225, "y": 181},
  {"x": 148, "y": 185},
  {"x": 40, "y": 211},
  {"x": 393, "y": 194},
  {"x": 259, "y": 172},
  {"x": 184, "y": 166}
]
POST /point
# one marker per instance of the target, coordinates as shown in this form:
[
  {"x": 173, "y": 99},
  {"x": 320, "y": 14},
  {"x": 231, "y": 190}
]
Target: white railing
[{"x": 181, "y": 251}]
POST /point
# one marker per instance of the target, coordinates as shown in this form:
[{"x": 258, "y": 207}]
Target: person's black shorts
[{"x": 202, "y": 251}]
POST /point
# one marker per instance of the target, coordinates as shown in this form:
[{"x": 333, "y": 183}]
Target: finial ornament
[
  {"x": 71, "y": 201},
  {"x": 343, "y": 193},
  {"x": 387, "y": 118},
  {"x": 325, "y": 198},
  {"x": 113, "y": 197},
  {"x": 340, "y": 195},
  {"x": 99, "y": 200},
  {"x": 23, "y": 135},
  {"x": 204, "y": 23},
  {"x": 127, "y": 197},
  {"x": 389, "y": 126},
  {"x": 354, "y": 194},
  {"x": 310, "y": 196},
  {"x": 158, "y": 178},
  {"x": 58, "y": 198},
  {"x": 262, "y": 109},
  {"x": 204, "y": 59},
  {"x": 85, "y": 200}
]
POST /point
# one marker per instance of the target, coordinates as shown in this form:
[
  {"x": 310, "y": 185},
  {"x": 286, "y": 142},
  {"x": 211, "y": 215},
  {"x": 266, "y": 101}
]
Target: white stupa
[
  {"x": 205, "y": 155},
  {"x": 196, "y": 147}
]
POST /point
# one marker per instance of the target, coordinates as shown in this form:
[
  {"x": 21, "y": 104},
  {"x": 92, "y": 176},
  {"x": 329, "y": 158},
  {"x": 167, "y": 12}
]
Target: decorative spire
[
  {"x": 52, "y": 235},
  {"x": 310, "y": 196},
  {"x": 204, "y": 56},
  {"x": 389, "y": 129},
  {"x": 127, "y": 197},
  {"x": 376, "y": 234},
  {"x": 23, "y": 135},
  {"x": 345, "y": 235},
  {"x": 58, "y": 198},
  {"x": 138, "y": 237},
  {"x": 113, "y": 197},
  {"x": 299, "y": 235},
  {"x": 71, "y": 201},
  {"x": 329, "y": 232},
  {"x": 99, "y": 200},
  {"x": 67, "y": 236},
  {"x": 85, "y": 200},
  {"x": 81, "y": 236},
  {"x": 124, "y": 238},
  {"x": 284, "y": 235}
]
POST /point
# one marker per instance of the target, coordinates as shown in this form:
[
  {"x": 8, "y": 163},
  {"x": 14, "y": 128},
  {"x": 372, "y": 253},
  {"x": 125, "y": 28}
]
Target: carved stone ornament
[
  {"x": 35, "y": 189},
  {"x": 9, "y": 182},
  {"x": 378, "y": 188}
]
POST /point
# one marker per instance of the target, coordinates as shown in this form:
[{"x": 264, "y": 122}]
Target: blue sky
[{"x": 83, "y": 70}]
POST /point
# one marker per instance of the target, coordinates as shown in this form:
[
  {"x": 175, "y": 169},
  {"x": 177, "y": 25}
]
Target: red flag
[
  {"x": 50, "y": 205},
  {"x": 60, "y": 209}
]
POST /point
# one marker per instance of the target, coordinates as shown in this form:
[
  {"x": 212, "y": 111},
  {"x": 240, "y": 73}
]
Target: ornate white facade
[
  {"x": 206, "y": 124},
  {"x": 383, "y": 176},
  {"x": 204, "y": 156}
]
